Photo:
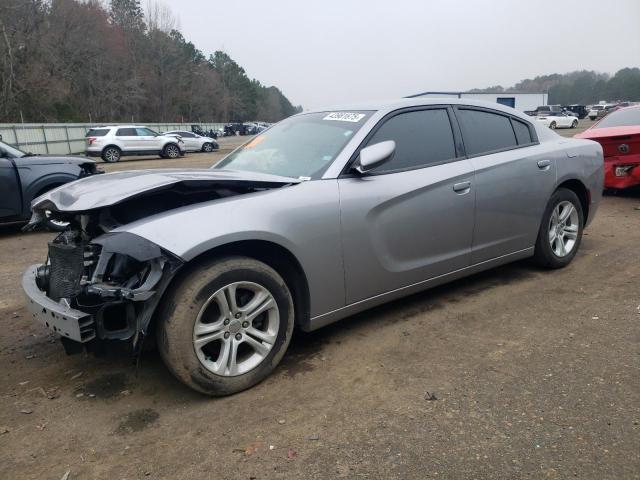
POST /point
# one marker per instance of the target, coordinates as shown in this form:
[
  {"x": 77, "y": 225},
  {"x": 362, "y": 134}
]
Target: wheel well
[
  {"x": 577, "y": 187},
  {"x": 112, "y": 146},
  {"x": 278, "y": 258},
  {"x": 46, "y": 188}
]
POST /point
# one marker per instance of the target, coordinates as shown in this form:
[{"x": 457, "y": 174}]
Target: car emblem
[{"x": 624, "y": 148}]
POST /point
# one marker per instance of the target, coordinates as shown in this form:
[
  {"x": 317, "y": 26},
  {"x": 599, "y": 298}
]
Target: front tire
[
  {"x": 207, "y": 147},
  {"x": 552, "y": 126},
  {"x": 226, "y": 325},
  {"x": 574, "y": 124},
  {"x": 111, "y": 154},
  {"x": 560, "y": 232}
]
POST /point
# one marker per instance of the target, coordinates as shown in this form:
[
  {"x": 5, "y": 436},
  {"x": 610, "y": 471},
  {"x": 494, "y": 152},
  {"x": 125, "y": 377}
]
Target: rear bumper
[
  {"x": 631, "y": 179},
  {"x": 65, "y": 321}
]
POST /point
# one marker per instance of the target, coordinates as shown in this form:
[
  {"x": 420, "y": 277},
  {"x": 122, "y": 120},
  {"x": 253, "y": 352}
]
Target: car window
[
  {"x": 621, "y": 118},
  {"x": 422, "y": 138},
  {"x": 97, "y": 132},
  {"x": 10, "y": 152},
  {"x": 523, "y": 133},
  {"x": 485, "y": 132},
  {"x": 126, "y": 132},
  {"x": 145, "y": 132},
  {"x": 186, "y": 134}
]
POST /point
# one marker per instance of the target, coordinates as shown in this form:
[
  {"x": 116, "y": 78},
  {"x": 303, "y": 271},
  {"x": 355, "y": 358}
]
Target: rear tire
[
  {"x": 207, "y": 335},
  {"x": 560, "y": 231},
  {"x": 171, "y": 151},
  {"x": 552, "y": 126},
  {"x": 111, "y": 154}
]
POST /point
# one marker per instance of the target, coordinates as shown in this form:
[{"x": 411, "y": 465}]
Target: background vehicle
[
  {"x": 232, "y": 129},
  {"x": 24, "y": 176},
  {"x": 115, "y": 141},
  {"x": 194, "y": 142},
  {"x": 599, "y": 111},
  {"x": 555, "y": 120},
  {"x": 331, "y": 213},
  {"x": 579, "y": 111},
  {"x": 619, "y": 135},
  {"x": 542, "y": 109}
]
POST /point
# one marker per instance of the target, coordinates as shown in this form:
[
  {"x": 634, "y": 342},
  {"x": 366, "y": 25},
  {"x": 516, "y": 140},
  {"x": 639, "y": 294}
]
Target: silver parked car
[{"x": 323, "y": 215}]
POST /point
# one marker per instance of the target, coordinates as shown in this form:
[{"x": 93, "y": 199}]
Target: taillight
[{"x": 90, "y": 140}]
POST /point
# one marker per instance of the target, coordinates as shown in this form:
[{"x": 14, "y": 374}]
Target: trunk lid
[{"x": 615, "y": 141}]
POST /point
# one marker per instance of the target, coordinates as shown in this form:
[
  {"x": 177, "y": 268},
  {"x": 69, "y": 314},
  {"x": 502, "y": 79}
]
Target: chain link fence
[{"x": 68, "y": 138}]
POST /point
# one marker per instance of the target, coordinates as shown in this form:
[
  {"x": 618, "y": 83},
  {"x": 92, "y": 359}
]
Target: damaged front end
[
  {"x": 97, "y": 286},
  {"x": 101, "y": 282}
]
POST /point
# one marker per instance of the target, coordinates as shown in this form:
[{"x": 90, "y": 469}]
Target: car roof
[{"x": 395, "y": 104}]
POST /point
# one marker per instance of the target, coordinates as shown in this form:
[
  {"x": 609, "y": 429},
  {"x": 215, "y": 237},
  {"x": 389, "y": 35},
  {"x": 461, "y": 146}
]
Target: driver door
[{"x": 411, "y": 218}]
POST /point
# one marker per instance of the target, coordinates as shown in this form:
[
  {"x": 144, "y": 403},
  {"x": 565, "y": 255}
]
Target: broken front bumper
[{"x": 57, "y": 317}]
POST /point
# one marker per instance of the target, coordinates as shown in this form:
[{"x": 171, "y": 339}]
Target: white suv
[{"x": 115, "y": 141}]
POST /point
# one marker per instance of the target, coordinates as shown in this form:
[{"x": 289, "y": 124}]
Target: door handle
[
  {"x": 462, "y": 187},
  {"x": 544, "y": 164}
]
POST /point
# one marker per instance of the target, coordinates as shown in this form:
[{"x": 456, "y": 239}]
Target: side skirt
[{"x": 335, "y": 315}]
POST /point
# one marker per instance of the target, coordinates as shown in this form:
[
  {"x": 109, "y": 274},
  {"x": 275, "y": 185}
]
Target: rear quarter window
[
  {"x": 126, "y": 132},
  {"x": 485, "y": 132},
  {"x": 97, "y": 132},
  {"x": 523, "y": 133}
]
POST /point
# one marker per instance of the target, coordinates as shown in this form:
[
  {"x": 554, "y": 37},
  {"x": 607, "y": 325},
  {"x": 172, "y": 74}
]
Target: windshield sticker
[
  {"x": 255, "y": 142},
  {"x": 345, "y": 116}
]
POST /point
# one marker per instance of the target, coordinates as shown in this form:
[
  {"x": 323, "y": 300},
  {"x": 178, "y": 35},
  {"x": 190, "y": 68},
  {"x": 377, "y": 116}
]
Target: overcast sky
[{"x": 333, "y": 51}]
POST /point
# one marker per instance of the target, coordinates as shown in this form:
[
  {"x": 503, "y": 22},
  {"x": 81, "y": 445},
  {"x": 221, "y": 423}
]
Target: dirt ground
[{"x": 513, "y": 373}]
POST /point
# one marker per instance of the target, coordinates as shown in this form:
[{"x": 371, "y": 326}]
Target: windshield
[
  {"x": 299, "y": 146},
  {"x": 621, "y": 118},
  {"x": 10, "y": 151}
]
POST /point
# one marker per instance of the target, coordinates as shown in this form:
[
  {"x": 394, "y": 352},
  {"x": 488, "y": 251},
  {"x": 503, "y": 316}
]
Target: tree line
[
  {"x": 93, "y": 61},
  {"x": 581, "y": 87}
]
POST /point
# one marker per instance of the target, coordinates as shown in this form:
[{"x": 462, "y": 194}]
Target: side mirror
[{"x": 375, "y": 155}]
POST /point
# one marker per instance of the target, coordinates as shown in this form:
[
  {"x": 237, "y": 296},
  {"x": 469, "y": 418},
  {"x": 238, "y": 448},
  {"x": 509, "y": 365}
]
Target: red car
[{"x": 619, "y": 135}]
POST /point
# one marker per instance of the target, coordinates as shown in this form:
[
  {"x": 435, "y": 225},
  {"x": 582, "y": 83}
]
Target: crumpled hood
[{"x": 100, "y": 191}]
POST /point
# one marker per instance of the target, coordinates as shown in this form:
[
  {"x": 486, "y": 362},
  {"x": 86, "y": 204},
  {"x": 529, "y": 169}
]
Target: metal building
[{"x": 519, "y": 100}]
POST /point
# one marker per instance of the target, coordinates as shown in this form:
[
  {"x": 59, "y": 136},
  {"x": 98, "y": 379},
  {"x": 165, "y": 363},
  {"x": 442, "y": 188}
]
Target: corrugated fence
[{"x": 66, "y": 138}]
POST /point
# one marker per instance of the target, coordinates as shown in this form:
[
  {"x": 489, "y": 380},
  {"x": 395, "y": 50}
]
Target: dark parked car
[
  {"x": 25, "y": 176},
  {"x": 579, "y": 111},
  {"x": 544, "y": 109},
  {"x": 232, "y": 129}
]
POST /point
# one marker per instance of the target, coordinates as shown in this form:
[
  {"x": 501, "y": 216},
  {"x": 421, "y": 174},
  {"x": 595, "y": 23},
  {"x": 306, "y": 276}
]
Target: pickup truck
[
  {"x": 25, "y": 176},
  {"x": 544, "y": 109}
]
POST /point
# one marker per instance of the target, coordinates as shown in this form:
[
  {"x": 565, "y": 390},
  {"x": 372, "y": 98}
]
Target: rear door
[
  {"x": 128, "y": 139},
  {"x": 513, "y": 180},
  {"x": 411, "y": 218}
]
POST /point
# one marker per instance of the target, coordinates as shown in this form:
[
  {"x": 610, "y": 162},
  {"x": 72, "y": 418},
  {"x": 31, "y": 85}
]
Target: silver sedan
[{"x": 323, "y": 215}]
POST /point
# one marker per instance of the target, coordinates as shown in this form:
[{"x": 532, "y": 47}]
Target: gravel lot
[{"x": 513, "y": 373}]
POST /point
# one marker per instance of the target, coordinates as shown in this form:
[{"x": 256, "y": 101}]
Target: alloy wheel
[
  {"x": 111, "y": 155},
  {"x": 172, "y": 151},
  {"x": 236, "y": 329},
  {"x": 563, "y": 229}
]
